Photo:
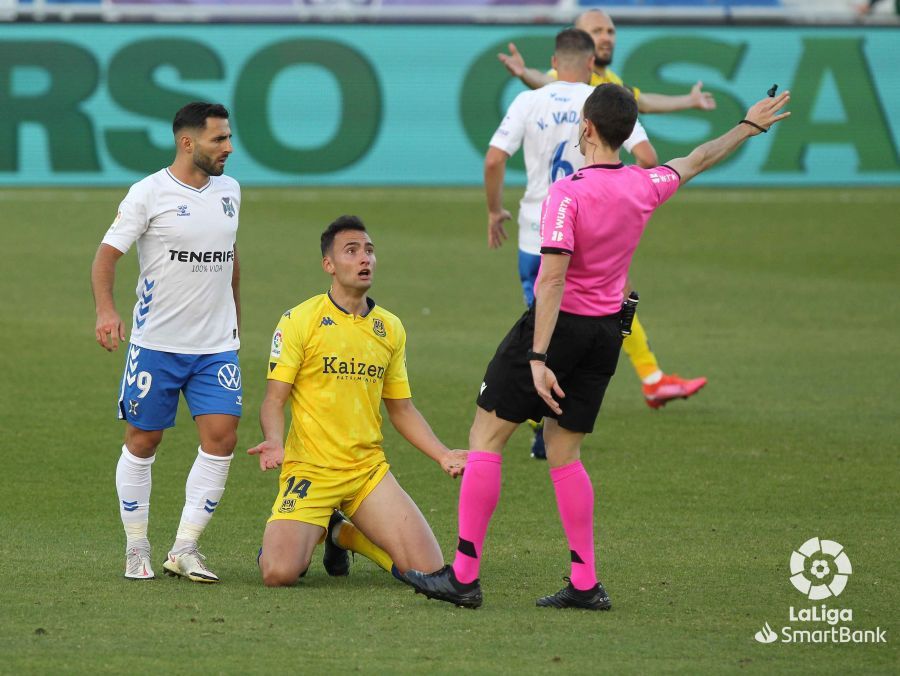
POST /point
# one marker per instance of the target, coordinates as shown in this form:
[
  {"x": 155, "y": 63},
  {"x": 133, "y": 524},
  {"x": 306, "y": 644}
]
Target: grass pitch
[{"x": 787, "y": 300}]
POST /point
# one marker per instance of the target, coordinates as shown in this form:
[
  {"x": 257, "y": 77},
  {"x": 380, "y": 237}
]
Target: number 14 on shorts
[{"x": 293, "y": 488}]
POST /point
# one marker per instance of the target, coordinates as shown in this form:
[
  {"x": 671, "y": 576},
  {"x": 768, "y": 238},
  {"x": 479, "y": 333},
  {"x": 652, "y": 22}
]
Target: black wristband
[
  {"x": 753, "y": 124},
  {"x": 536, "y": 356}
]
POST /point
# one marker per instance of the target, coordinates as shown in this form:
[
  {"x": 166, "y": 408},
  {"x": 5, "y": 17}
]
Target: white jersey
[
  {"x": 547, "y": 120},
  {"x": 185, "y": 242}
]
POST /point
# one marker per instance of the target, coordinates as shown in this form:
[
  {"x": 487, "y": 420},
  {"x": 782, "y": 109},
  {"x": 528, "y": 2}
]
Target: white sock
[
  {"x": 653, "y": 378},
  {"x": 133, "y": 484},
  {"x": 204, "y": 488}
]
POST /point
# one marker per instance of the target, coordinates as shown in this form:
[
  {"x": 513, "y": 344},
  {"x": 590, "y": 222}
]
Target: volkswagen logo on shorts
[{"x": 230, "y": 377}]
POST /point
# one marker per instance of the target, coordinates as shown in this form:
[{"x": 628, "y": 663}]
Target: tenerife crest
[{"x": 228, "y": 207}]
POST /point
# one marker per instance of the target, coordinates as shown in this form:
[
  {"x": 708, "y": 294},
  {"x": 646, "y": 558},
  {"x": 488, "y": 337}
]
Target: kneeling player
[{"x": 337, "y": 356}]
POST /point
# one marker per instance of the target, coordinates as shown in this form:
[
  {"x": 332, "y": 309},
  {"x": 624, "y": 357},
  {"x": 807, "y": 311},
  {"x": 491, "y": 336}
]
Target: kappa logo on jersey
[
  {"x": 378, "y": 328},
  {"x": 327, "y": 321},
  {"x": 229, "y": 376},
  {"x": 228, "y": 207},
  {"x": 182, "y": 210},
  {"x": 133, "y": 407}
]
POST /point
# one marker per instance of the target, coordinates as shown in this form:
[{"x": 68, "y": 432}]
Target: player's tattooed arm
[
  {"x": 271, "y": 421},
  {"x": 411, "y": 424},
  {"x": 109, "y": 329}
]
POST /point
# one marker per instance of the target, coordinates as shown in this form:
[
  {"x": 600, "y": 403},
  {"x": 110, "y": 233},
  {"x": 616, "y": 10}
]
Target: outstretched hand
[
  {"x": 767, "y": 112},
  {"x": 513, "y": 61},
  {"x": 454, "y": 462},
  {"x": 271, "y": 455},
  {"x": 546, "y": 385},
  {"x": 701, "y": 99}
]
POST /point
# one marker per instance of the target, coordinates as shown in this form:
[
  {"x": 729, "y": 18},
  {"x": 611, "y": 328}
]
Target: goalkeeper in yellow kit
[{"x": 336, "y": 357}]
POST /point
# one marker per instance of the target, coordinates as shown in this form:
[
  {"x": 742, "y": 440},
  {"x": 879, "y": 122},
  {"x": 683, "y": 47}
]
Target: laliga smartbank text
[{"x": 836, "y": 632}]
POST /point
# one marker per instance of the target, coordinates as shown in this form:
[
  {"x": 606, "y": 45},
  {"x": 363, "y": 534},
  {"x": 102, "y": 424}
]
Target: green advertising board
[{"x": 337, "y": 105}]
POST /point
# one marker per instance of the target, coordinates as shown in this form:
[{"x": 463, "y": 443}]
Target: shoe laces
[{"x": 195, "y": 553}]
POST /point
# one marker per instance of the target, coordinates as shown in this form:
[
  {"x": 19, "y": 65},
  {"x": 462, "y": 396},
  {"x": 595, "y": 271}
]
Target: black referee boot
[
  {"x": 443, "y": 586},
  {"x": 335, "y": 559},
  {"x": 569, "y": 597}
]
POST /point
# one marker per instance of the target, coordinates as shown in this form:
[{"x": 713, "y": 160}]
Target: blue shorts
[
  {"x": 529, "y": 264},
  {"x": 152, "y": 380}
]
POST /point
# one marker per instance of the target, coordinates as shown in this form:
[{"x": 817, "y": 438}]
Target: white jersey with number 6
[
  {"x": 185, "y": 241},
  {"x": 546, "y": 122}
]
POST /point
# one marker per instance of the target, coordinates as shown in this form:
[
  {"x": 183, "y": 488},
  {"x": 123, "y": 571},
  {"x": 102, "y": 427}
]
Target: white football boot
[
  {"x": 137, "y": 564},
  {"x": 190, "y": 564}
]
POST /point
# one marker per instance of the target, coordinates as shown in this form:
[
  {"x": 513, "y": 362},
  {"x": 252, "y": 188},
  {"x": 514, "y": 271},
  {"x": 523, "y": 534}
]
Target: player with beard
[
  {"x": 336, "y": 357},
  {"x": 185, "y": 332},
  {"x": 658, "y": 387}
]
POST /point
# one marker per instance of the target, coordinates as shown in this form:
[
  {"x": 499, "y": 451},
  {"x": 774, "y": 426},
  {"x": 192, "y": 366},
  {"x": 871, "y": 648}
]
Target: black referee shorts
[{"x": 583, "y": 354}]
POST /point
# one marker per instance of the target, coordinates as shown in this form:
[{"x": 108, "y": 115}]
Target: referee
[{"x": 558, "y": 358}]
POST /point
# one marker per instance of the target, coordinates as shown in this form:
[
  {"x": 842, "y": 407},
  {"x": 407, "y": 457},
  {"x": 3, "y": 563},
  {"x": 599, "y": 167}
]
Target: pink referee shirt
[{"x": 597, "y": 216}]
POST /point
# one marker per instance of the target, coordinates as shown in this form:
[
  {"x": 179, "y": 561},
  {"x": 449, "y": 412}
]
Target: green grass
[{"x": 787, "y": 301}]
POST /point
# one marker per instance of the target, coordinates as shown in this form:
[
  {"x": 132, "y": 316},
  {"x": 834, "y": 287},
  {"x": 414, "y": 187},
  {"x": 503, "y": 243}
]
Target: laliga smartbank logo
[{"x": 820, "y": 570}]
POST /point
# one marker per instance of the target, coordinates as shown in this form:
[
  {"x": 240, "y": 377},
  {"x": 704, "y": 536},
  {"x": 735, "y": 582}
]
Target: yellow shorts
[{"x": 310, "y": 494}]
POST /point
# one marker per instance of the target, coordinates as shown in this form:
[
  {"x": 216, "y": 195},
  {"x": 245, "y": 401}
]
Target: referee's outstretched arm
[{"x": 760, "y": 117}]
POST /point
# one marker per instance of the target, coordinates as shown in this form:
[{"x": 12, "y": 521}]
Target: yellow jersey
[
  {"x": 341, "y": 366},
  {"x": 608, "y": 77}
]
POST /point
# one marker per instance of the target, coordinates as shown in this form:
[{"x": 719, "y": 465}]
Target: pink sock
[
  {"x": 478, "y": 497},
  {"x": 575, "y": 500}
]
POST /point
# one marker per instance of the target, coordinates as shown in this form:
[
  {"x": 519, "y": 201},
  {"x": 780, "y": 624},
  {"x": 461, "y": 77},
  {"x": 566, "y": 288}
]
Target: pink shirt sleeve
[
  {"x": 665, "y": 182},
  {"x": 558, "y": 219}
]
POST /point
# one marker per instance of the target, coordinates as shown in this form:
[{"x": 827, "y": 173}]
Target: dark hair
[
  {"x": 193, "y": 115},
  {"x": 613, "y": 111},
  {"x": 574, "y": 41},
  {"x": 340, "y": 224}
]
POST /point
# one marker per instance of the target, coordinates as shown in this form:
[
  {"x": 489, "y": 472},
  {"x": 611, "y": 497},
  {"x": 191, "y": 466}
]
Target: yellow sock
[
  {"x": 637, "y": 347},
  {"x": 351, "y": 538}
]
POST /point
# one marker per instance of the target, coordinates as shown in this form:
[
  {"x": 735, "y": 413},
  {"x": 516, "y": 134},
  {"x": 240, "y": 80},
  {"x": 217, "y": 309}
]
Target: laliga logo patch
[
  {"x": 277, "y": 341},
  {"x": 820, "y": 568},
  {"x": 230, "y": 377},
  {"x": 378, "y": 328}
]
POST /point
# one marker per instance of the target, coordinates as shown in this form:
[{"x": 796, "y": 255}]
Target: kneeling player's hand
[
  {"x": 546, "y": 385},
  {"x": 271, "y": 455},
  {"x": 454, "y": 462}
]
